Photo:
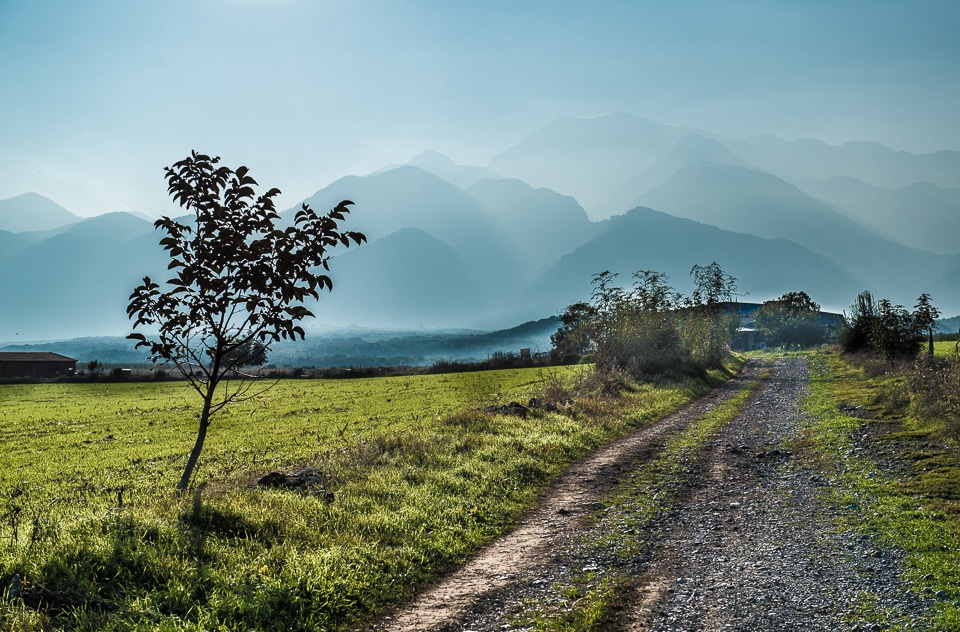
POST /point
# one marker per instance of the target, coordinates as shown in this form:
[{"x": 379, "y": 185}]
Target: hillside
[
  {"x": 543, "y": 225},
  {"x": 78, "y": 281},
  {"x": 388, "y": 283},
  {"x": 921, "y": 215},
  {"x": 688, "y": 151},
  {"x": 748, "y": 201},
  {"x": 651, "y": 240}
]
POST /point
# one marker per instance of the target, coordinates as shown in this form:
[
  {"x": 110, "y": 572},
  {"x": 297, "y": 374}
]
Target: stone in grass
[
  {"x": 550, "y": 407},
  {"x": 513, "y": 408},
  {"x": 15, "y": 587},
  {"x": 307, "y": 482}
]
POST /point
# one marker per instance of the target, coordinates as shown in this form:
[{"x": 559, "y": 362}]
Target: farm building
[
  {"x": 35, "y": 364},
  {"x": 749, "y": 338}
]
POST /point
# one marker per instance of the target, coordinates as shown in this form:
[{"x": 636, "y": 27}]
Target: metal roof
[{"x": 33, "y": 356}]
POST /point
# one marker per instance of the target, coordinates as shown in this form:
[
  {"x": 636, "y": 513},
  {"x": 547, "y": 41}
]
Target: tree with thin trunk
[
  {"x": 239, "y": 283},
  {"x": 792, "y": 319},
  {"x": 713, "y": 288},
  {"x": 925, "y": 317}
]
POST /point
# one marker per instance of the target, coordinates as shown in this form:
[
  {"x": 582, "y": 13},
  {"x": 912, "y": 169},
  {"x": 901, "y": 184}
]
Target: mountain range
[{"x": 458, "y": 246}]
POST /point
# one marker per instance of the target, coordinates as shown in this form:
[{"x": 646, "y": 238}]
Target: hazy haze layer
[{"x": 100, "y": 95}]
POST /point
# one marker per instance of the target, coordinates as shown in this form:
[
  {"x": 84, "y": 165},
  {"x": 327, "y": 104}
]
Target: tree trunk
[
  {"x": 198, "y": 446},
  {"x": 930, "y": 348}
]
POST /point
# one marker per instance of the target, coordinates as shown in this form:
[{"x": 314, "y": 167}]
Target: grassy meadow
[
  {"x": 415, "y": 477},
  {"x": 945, "y": 348},
  {"x": 895, "y": 473}
]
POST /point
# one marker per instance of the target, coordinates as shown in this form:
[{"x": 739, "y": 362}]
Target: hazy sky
[{"x": 104, "y": 93}]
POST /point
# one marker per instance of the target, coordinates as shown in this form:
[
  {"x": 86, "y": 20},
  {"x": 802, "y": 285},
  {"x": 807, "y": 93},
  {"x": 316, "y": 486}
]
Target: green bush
[
  {"x": 886, "y": 329},
  {"x": 791, "y": 320},
  {"x": 650, "y": 329}
]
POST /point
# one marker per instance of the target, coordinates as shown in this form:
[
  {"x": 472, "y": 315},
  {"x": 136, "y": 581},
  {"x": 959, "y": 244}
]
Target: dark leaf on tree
[{"x": 240, "y": 277}]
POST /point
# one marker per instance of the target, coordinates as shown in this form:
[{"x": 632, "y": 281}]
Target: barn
[{"x": 14, "y": 364}]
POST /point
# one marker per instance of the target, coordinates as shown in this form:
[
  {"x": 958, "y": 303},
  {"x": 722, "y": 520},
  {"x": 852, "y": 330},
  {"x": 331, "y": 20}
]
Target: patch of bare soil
[{"x": 747, "y": 545}]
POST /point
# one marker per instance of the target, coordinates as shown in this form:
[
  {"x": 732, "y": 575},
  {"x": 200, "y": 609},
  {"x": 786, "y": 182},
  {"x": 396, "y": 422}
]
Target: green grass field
[
  {"x": 419, "y": 477},
  {"x": 899, "y": 477},
  {"x": 137, "y": 435},
  {"x": 945, "y": 348}
]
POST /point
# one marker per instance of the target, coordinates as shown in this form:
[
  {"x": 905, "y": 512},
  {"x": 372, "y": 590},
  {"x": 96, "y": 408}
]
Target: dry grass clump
[{"x": 934, "y": 387}]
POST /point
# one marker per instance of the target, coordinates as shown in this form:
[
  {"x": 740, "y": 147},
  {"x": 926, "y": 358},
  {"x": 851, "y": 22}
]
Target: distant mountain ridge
[
  {"x": 78, "y": 280},
  {"x": 389, "y": 281},
  {"x": 867, "y": 161},
  {"x": 688, "y": 151},
  {"x": 645, "y": 239},
  {"x": 922, "y": 215},
  {"x": 461, "y": 176},
  {"x": 409, "y": 197},
  {"x": 542, "y": 224},
  {"x": 747, "y": 201},
  {"x": 591, "y": 158},
  {"x": 32, "y": 212},
  {"x": 459, "y": 246}
]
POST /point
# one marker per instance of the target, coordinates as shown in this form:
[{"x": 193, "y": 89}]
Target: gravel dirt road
[{"x": 747, "y": 540}]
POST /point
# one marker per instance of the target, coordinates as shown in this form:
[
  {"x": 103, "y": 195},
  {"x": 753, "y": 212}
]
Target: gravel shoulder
[
  {"x": 755, "y": 547},
  {"x": 748, "y": 541}
]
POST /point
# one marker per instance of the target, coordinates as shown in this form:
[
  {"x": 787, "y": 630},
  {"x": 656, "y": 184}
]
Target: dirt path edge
[{"x": 511, "y": 559}]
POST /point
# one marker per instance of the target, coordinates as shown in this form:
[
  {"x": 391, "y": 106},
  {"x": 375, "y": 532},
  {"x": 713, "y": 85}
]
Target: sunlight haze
[{"x": 99, "y": 96}]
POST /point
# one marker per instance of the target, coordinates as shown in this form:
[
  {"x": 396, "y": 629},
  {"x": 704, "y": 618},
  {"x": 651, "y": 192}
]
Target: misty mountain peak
[
  {"x": 455, "y": 245},
  {"x": 33, "y": 212},
  {"x": 505, "y": 189},
  {"x": 444, "y": 167},
  {"x": 118, "y": 226},
  {"x": 699, "y": 148},
  {"x": 431, "y": 158},
  {"x": 590, "y": 158}
]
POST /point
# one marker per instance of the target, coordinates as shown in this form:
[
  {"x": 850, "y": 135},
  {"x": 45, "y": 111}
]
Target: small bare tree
[{"x": 239, "y": 285}]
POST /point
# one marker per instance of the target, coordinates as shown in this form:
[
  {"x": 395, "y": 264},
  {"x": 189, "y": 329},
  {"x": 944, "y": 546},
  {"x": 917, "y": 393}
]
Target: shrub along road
[{"x": 715, "y": 517}]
